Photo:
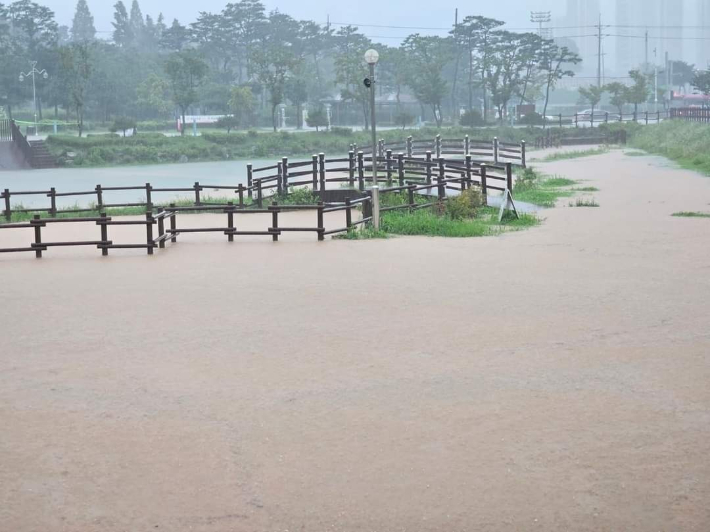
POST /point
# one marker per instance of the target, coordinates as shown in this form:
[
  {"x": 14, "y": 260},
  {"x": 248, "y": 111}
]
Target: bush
[
  {"x": 342, "y": 131},
  {"x": 472, "y": 118},
  {"x": 532, "y": 119},
  {"x": 123, "y": 123},
  {"x": 465, "y": 205}
]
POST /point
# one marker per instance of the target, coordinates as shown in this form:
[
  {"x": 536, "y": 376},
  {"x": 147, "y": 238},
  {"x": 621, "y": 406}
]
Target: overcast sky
[{"x": 516, "y": 12}]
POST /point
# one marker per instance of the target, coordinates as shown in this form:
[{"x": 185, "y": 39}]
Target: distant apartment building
[
  {"x": 702, "y": 48},
  {"x": 579, "y": 21}
]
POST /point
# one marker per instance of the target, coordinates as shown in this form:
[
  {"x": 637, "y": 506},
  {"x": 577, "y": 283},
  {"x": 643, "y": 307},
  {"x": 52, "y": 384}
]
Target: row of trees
[{"x": 244, "y": 61}]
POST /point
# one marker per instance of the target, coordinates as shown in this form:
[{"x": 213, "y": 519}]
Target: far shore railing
[
  {"x": 605, "y": 117},
  {"x": 691, "y": 114},
  {"x": 413, "y": 177}
]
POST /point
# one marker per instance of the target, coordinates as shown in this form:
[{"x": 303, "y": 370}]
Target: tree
[
  {"x": 404, "y": 119},
  {"x": 228, "y": 122},
  {"x": 76, "y": 63},
  {"x": 473, "y": 34},
  {"x": 505, "y": 65},
  {"x": 297, "y": 93},
  {"x": 137, "y": 24},
  {"x": 175, "y": 38},
  {"x": 153, "y": 95},
  {"x": 593, "y": 95},
  {"x": 242, "y": 104},
  {"x": 619, "y": 95},
  {"x": 317, "y": 118},
  {"x": 82, "y": 28},
  {"x": 426, "y": 57},
  {"x": 186, "y": 71},
  {"x": 683, "y": 73},
  {"x": 350, "y": 68},
  {"x": 638, "y": 92},
  {"x": 123, "y": 123},
  {"x": 554, "y": 64},
  {"x": 701, "y": 81},
  {"x": 122, "y": 31}
]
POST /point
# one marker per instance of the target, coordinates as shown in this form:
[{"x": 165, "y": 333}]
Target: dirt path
[{"x": 553, "y": 379}]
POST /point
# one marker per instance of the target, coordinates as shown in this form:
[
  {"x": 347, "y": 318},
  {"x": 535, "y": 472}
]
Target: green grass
[
  {"x": 635, "y": 153},
  {"x": 156, "y": 148},
  {"x": 427, "y": 223},
  {"x": 687, "y": 143},
  {"x": 577, "y": 154},
  {"x": 584, "y": 202},
  {"x": 557, "y": 182},
  {"x": 586, "y": 189},
  {"x": 688, "y": 214},
  {"x": 366, "y": 233}
]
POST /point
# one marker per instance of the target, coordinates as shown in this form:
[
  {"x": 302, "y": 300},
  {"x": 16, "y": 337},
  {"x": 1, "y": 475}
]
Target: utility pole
[
  {"x": 599, "y": 52},
  {"x": 540, "y": 18},
  {"x": 646, "y": 56}
]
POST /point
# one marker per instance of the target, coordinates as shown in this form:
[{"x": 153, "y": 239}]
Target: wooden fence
[
  {"x": 604, "y": 117},
  {"x": 691, "y": 114},
  {"x": 555, "y": 139},
  {"x": 483, "y": 150},
  {"x": 428, "y": 177}
]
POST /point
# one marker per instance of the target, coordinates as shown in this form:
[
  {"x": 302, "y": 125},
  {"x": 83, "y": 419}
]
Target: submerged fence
[
  {"x": 428, "y": 176},
  {"x": 691, "y": 114}
]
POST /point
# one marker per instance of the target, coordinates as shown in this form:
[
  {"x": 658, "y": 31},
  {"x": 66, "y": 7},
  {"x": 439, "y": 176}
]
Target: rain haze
[{"x": 354, "y": 266}]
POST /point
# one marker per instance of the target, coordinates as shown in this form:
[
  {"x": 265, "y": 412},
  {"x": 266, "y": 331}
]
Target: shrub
[
  {"x": 472, "y": 118},
  {"x": 342, "y": 131},
  {"x": 532, "y": 119},
  {"x": 465, "y": 205}
]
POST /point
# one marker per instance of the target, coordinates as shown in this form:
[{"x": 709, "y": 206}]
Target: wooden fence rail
[
  {"x": 429, "y": 176},
  {"x": 691, "y": 114}
]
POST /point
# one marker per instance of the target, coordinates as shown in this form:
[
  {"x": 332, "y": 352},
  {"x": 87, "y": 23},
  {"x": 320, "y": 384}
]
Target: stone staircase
[{"x": 41, "y": 158}]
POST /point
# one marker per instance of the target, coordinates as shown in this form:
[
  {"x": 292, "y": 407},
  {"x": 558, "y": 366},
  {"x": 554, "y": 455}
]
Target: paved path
[{"x": 554, "y": 379}]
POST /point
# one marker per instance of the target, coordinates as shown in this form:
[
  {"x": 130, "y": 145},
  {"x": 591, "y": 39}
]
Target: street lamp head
[
  {"x": 371, "y": 57},
  {"x": 22, "y": 78},
  {"x": 45, "y": 75}
]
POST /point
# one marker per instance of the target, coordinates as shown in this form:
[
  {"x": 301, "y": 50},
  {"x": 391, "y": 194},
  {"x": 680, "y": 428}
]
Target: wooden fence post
[
  {"x": 173, "y": 224},
  {"x": 275, "y": 221},
  {"x": 576, "y": 120},
  {"x": 8, "y": 210},
  {"x": 230, "y": 221},
  {"x": 351, "y": 168},
  {"x": 315, "y": 173},
  {"x": 149, "y": 231},
  {"x": 250, "y": 179},
  {"x": 484, "y": 182},
  {"x": 400, "y": 168},
  {"x": 522, "y": 154},
  {"x": 161, "y": 227},
  {"x": 279, "y": 179},
  {"x": 646, "y": 117},
  {"x": 361, "y": 171},
  {"x": 441, "y": 178},
  {"x": 469, "y": 171},
  {"x": 388, "y": 166},
  {"x": 148, "y": 197},
  {"x": 409, "y": 147},
  {"x": 99, "y": 198},
  {"x": 53, "y": 200},
  {"x": 284, "y": 174},
  {"x": 240, "y": 191},
  {"x": 197, "y": 194},
  {"x": 38, "y": 235},
  {"x": 321, "y": 169},
  {"x": 410, "y": 194},
  {"x": 259, "y": 194},
  {"x": 348, "y": 214},
  {"x": 428, "y": 167},
  {"x": 495, "y": 150},
  {"x": 466, "y": 145},
  {"x": 321, "y": 222},
  {"x": 437, "y": 145},
  {"x": 560, "y": 119},
  {"x": 104, "y": 234},
  {"x": 509, "y": 177}
]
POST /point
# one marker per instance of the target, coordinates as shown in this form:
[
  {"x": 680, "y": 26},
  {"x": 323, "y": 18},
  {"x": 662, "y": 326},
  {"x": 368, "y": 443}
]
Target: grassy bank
[
  {"x": 156, "y": 148},
  {"x": 687, "y": 143}
]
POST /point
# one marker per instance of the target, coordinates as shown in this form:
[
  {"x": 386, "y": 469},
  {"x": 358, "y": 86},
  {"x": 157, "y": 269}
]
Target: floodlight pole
[
  {"x": 371, "y": 58},
  {"x": 32, "y": 73}
]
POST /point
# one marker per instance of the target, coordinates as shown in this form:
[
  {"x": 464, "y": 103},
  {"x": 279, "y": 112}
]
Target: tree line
[{"x": 245, "y": 62}]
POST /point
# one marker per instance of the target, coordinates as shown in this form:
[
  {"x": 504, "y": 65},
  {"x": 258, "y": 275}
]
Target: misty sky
[{"x": 516, "y": 12}]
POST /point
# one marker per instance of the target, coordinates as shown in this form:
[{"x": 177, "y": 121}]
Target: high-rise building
[
  {"x": 671, "y": 32},
  {"x": 581, "y": 17},
  {"x": 702, "y": 54}
]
